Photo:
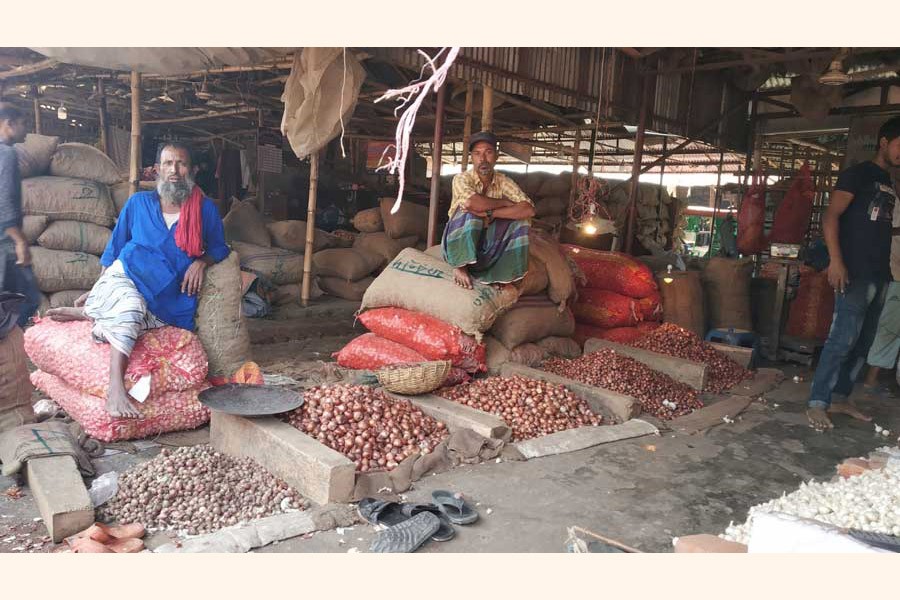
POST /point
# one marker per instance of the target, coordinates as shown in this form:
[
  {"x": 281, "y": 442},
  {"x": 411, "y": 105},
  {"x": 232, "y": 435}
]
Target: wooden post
[
  {"x": 37, "y": 109},
  {"x": 260, "y": 176},
  {"x": 467, "y": 124},
  {"x": 134, "y": 171},
  {"x": 636, "y": 165},
  {"x": 104, "y": 121},
  {"x": 310, "y": 227},
  {"x": 487, "y": 108},
  {"x": 712, "y": 225},
  {"x": 436, "y": 166}
]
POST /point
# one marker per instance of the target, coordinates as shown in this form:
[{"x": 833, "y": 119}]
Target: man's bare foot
[
  {"x": 848, "y": 408},
  {"x": 818, "y": 419},
  {"x": 118, "y": 405},
  {"x": 67, "y": 314},
  {"x": 462, "y": 278}
]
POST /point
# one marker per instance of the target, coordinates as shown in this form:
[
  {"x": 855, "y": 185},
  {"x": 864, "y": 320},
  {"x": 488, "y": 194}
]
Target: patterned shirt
[{"x": 468, "y": 183}]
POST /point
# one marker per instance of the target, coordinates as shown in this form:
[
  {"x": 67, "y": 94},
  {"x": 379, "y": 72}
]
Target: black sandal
[{"x": 454, "y": 507}]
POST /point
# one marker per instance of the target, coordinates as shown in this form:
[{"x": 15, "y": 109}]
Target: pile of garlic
[{"x": 870, "y": 502}]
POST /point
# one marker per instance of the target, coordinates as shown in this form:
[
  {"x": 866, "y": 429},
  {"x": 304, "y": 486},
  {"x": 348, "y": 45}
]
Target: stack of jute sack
[
  {"x": 540, "y": 324},
  {"x": 71, "y": 195},
  {"x": 619, "y": 300}
]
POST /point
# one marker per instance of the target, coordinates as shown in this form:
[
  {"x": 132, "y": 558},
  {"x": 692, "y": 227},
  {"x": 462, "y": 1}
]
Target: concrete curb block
[{"x": 571, "y": 440}]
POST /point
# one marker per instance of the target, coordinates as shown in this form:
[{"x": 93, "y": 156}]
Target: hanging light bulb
[
  {"x": 61, "y": 113},
  {"x": 668, "y": 278},
  {"x": 593, "y": 225}
]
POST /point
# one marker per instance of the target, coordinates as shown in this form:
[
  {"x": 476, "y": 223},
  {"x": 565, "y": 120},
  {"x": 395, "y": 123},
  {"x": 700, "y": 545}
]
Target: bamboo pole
[
  {"x": 134, "y": 171},
  {"x": 467, "y": 124},
  {"x": 37, "y": 109},
  {"x": 227, "y": 113},
  {"x": 436, "y": 166},
  {"x": 636, "y": 164},
  {"x": 104, "y": 119},
  {"x": 310, "y": 228},
  {"x": 487, "y": 108},
  {"x": 261, "y": 184}
]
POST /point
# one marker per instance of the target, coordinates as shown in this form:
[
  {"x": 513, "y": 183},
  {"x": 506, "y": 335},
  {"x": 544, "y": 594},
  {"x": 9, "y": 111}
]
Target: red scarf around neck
[{"x": 189, "y": 231}]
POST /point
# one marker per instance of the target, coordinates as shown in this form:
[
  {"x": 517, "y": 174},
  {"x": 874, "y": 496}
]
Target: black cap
[{"x": 483, "y": 136}]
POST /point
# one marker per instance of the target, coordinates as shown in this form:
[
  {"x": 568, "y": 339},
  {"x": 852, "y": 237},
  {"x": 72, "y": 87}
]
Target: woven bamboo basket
[{"x": 414, "y": 379}]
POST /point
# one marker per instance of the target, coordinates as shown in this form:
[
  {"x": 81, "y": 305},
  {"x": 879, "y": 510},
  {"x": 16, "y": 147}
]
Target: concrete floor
[{"x": 641, "y": 492}]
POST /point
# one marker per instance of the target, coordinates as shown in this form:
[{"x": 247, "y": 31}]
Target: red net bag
[
  {"x": 650, "y": 308},
  {"x": 792, "y": 216},
  {"x": 432, "y": 338},
  {"x": 174, "y": 358},
  {"x": 370, "y": 352},
  {"x": 751, "y": 220},
  {"x": 811, "y": 312},
  {"x": 622, "y": 335},
  {"x": 160, "y": 413},
  {"x": 613, "y": 271},
  {"x": 605, "y": 309}
]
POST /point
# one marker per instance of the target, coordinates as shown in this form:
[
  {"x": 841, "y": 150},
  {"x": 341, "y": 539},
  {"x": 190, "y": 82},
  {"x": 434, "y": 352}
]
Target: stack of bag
[
  {"x": 619, "y": 300},
  {"x": 540, "y": 324},
  {"x": 71, "y": 196},
  {"x": 416, "y": 313},
  {"x": 74, "y": 372}
]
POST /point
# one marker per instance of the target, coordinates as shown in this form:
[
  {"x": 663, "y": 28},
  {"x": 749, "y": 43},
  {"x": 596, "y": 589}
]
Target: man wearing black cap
[{"x": 487, "y": 235}]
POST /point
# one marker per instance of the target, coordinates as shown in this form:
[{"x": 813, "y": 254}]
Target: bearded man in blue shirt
[{"x": 153, "y": 267}]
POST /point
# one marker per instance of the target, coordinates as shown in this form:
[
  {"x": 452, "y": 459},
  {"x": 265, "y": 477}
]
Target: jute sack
[
  {"x": 243, "y": 223},
  {"x": 65, "y": 298},
  {"x": 15, "y": 386},
  {"x": 341, "y": 288},
  {"x": 536, "y": 279},
  {"x": 35, "y": 154},
  {"x": 552, "y": 206},
  {"x": 67, "y": 198},
  {"x": 416, "y": 281},
  {"x": 291, "y": 235},
  {"x": 564, "y": 347},
  {"x": 727, "y": 289},
  {"x": 85, "y": 162},
  {"x": 345, "y": 263},
  {"x": 380, "y": 245},
  {"x": 220, "y": 324},
  {"x": 530, "y": 355},
  {"x": 436, "y": 252},
  {"x": 369, "y": 220},
  {"x": 562, "y": 283},
  {"x": 683, "y": 301},
  {"x": 58, "y": 270},
  {"x": 120, "y": 194},
  {"x": 75, "y": 236},
  {"x": 290, "y": 293},
  {"x": 275, "y": 264},
  {"x": 33, "y": 226},
  {"x": 532, "y": 323},
  {"x": 411, "y": 219}
]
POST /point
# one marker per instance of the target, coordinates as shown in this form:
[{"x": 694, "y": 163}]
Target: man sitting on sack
[
  {"x": 153, "y": 267},
  {"x": 487, "y": 235}
]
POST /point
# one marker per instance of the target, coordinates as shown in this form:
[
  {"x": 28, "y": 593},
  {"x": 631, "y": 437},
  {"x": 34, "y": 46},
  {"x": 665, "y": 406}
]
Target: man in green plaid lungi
[{"x": 487, "y": 235}]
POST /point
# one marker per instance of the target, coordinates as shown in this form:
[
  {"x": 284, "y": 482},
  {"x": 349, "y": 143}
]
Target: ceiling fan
[{"x": 836, "y": 73}]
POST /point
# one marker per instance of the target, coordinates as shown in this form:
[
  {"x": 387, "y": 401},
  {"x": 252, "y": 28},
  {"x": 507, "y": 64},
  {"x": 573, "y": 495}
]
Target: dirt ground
[{"x": 641, "y": 492}]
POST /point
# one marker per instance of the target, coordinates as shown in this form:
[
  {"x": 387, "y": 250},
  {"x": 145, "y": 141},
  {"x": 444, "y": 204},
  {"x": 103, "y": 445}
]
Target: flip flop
[
  {"x": 87, "y": 545},
  {"x": 408, "y": 535},
  {"x": 381, "y": 512},
  {"x": 455, "y": 507},
  {"x": 126, "y": 545},
  {"x": 445, "y": 533}
]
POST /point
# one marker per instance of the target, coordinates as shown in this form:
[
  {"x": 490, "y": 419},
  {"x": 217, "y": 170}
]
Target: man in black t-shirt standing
[{"x": 857, "y": 227}]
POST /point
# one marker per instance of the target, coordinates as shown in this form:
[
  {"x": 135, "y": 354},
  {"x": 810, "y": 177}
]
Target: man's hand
[
  {"x": 193, "y": 278},
  {"x": 838, "y": 276},
  {"x": 81, "y": 300},
  {"x": 23, "y": 254}
]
